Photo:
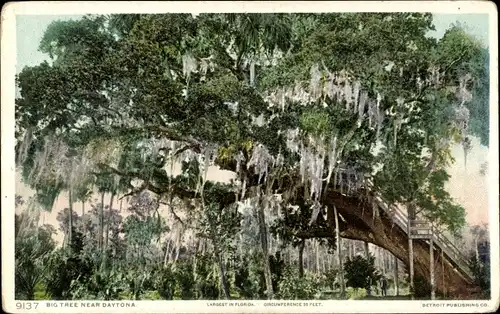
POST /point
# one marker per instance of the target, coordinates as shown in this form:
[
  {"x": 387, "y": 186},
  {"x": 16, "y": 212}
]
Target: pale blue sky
[{"x": 30, "y": 29}]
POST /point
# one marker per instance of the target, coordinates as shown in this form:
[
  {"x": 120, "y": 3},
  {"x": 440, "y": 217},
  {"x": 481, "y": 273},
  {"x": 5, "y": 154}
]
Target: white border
[{"x": 8, "y": 57}]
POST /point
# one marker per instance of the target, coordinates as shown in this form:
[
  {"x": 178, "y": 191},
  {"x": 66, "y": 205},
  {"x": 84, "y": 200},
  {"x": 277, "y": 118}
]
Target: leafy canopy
[{"x": 130, "y": 95}]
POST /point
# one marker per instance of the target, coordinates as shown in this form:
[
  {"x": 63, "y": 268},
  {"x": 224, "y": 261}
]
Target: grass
[{"x": 40, "y": 292}]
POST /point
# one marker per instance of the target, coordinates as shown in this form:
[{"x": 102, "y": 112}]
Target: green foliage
[
  {"x": 481, "y": 272},
  {"x": 422, "y": 288},
  {"x": 360, "y": 272},
  {"x": 65, "y": 270},
  {"x": 355, "y": 293},
  {"x": 293, "y": 287},
  {"x": 33, "y": 246},
  {"x": 164, "y": 283},
  {"x": 315, "y": 122}
]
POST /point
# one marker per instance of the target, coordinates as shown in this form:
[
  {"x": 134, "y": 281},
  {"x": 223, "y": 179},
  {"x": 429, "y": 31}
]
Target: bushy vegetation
[{"x": 293, "y": 106}]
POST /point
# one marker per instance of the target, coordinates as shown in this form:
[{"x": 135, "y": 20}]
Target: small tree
[
  {"x": 32, "y": 247},
  {"x": 360, "y": 272}
]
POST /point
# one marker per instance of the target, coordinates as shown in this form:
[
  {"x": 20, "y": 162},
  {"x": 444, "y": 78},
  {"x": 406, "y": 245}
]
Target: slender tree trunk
[
  {"x": 165, "y": 259},
  {"x": 252, "y": 73},
  {"x": 301, "y": 258},
  {"x": 339, "y": 255},
  {"x": 83, "y": 208},
  {"x": 367, "y": 250},
  {"x": 178, "y": 249},
  {"x": 101, "y": 222},
  {"x": 265, "y": 251},
  {"x": 306, "y": 257},
  {"x": 70, "y": 219},
  {"x": 384, "y": 264},
  {"x": 396, "y": 276},
  {"x": 476, "y": 249},
  {"x": 109, "y": 220},
  {"x": 318, "y": 267},
  {"x": 324, "y": 257}
]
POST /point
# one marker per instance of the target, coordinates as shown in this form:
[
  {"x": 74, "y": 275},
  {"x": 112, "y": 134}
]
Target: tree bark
[{"x": 339, "y": 254}]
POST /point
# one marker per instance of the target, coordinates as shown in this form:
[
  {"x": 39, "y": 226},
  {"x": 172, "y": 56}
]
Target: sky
[{"x": 466, "y": 185}]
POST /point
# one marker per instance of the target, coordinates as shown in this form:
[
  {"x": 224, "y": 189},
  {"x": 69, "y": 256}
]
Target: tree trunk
[
  {"x": 301, "y": 258},
  {"x": 318, "y": 267},
  {"x": 167, "y": 251},
  {"x": 367, "y": 249},
  {"x": 396, "y": 276},
  {"x": 339, "y": 254},
  {"x": 70, "y": 219},
  {"x": 83, "y": 208},
  {"x": 109, "y": 220},
  {"x": 265, "y": 251},
  {"x": 252, "y": 73},
  {"x": 101, "y": 222},
  {"x": 384, "y": 264},
  {"x": 476, "y": 249}
]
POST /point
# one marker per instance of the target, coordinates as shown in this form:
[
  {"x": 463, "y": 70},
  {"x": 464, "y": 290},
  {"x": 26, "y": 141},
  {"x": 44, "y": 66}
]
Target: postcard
[{"x": 250, "y": 157}]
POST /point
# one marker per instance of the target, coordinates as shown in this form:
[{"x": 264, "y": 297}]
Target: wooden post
[
  {"x": 442, "y": 271},
  {"x": 411, "y": 218},
  {"x": 410, "y": 256},
  {"x": 433, "y": 286}
]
